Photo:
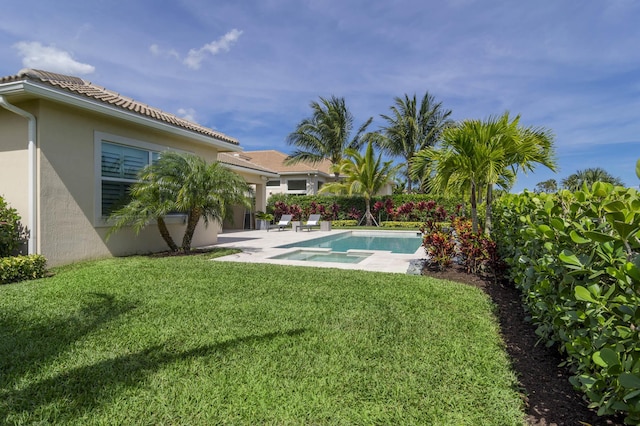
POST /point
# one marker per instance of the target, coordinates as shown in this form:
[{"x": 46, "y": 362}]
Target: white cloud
[
  {"x": 49, "y": 58},
  {"x": 195, "y": 56},
  {"x": 188, "y": 114},
  {"x": 158, "y": 51}
]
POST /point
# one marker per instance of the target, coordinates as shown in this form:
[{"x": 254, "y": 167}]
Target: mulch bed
[{"x": 549, "y": 397}]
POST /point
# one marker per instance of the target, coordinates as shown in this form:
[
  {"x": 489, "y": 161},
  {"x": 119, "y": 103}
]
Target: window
[
  {"x": 273, "y": 183},
  {"x": 297, "y": 185},
  {"x": 119, "y": 167}
]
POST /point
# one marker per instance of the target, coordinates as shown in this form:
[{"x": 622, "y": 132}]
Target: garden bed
[{"x": 549, "y": 397}]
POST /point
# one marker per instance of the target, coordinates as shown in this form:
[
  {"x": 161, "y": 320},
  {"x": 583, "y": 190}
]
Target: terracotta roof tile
[
  {"x": 239, "y": 159},
  {"x": 86, "y": 89},
  {"x": 274, "y": 160}
]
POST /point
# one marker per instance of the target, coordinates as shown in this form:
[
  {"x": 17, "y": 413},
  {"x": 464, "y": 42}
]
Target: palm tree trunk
[
  {"x": 368, "y": 211},
  {"x": 474, "y": 208},
  {"x": 166, "y": 236},
  {"x": 487, "y": 217},
  {"x": 192, "y": 221}
]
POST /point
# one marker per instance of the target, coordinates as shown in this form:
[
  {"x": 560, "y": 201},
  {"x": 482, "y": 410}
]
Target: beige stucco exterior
[{"x": 69, "y": 225}]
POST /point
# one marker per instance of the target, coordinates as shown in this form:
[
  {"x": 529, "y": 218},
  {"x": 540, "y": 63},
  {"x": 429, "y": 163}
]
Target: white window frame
[
  {"x": 98, "y": 139},
  {"x": 298, "y": 191}
]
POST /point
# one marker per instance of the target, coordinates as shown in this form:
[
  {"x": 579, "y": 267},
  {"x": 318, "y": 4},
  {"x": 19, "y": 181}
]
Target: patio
[{"x": 258, "y": 246}]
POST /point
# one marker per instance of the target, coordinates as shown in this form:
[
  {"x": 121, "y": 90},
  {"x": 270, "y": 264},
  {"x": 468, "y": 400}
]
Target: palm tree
[
  {"x": 411, "y": 127},
  {"x": 575, "y": 181},
  {"x": 549, "y": 185},
  {"x": 365, "y": 175},
  {"x": 326, "y": 134},
  {"x": 181, "y": 183},
  {"x": 476, "y": 155}
]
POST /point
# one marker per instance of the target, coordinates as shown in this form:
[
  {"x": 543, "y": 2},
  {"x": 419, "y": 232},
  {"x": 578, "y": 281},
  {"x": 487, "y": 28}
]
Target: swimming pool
[
  {"x": 323, "y": 256},
  {"x": 395, "y": 242}
]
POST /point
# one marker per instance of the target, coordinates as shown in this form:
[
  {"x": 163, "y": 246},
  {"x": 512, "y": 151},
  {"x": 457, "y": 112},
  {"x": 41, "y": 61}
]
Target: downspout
[{"x": 32, "y": 222}]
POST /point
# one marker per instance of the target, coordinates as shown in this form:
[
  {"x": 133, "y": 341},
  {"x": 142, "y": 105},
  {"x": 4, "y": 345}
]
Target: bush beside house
[{"x": 14, "y": 266}]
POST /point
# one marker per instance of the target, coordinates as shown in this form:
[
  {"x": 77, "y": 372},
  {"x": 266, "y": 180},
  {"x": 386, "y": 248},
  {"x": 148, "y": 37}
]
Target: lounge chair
[
  {"x": 314, "y": 220},
  {"x": 285, "y": 221}
]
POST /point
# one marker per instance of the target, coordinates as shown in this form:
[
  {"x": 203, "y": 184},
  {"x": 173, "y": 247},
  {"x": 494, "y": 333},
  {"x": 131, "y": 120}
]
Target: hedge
[
  {"x": 353, "y": 207},
  {"x": 20, "y": 268},
  {"x": 575, "y": 258}
]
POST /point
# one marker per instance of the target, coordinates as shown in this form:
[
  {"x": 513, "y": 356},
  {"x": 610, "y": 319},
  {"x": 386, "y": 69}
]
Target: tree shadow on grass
[
  {"x": 28, "y": 343},
  {"x": 82, "y": 389}
]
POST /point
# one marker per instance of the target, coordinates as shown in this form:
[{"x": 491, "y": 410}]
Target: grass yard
[{"x": 185, "y": 340}]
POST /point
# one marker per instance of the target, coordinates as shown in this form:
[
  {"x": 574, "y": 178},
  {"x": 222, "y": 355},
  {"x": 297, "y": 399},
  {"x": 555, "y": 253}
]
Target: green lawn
[{"x": 185, "y": 340}]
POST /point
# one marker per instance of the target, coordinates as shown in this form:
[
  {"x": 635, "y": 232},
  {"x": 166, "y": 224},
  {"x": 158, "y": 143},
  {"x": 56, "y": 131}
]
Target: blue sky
[{"x": 250, "y": 68}]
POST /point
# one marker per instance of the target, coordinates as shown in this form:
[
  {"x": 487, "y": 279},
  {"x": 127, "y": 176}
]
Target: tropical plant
[
  {"x": 326, "y": 134},
  {"x": 574, "y": 257},
  {"x": 181, "y": 183},
  {"x": 412, "y": 127},
  {"x": 477, "y": 155},
  {"x": 364, "y": 175},
  {"x": 575, "y": 181},
  {"x": 12, "y": 233},
  {"x": 549, "y": 185}
]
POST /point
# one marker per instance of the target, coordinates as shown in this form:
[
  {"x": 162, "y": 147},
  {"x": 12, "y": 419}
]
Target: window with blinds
[{"x": 119, "y": 170}]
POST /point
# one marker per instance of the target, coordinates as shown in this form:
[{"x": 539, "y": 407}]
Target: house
[
  {"x": 70, "y": 149},
  {"x": 257, "y": 176},
  {"x": 302, "y": 178}
]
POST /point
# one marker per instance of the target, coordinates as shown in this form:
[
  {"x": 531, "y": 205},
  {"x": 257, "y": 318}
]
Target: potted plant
[{"x": 263, "y": 220}]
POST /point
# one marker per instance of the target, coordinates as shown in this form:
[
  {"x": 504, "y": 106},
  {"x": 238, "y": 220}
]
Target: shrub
[
  {"x": 440, "y": 247},
  {"x": 477, "y": 251},
  {"x": 338, "y": 223},
  {"x": 396, "y": 224},
  {"x": 575, "y": 258},
  {"x": 11, "y": 231},
  {"x": 20, "y": 268},
  {"x": 413, "y": 207}
]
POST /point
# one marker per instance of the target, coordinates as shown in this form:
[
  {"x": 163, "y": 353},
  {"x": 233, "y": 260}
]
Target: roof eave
[
  {"x": 249, "y": 169},
  {"x": 27, "y": 87},
  {"x": 306, "y": 172}
]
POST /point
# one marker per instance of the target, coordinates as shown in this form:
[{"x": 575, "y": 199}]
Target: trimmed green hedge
[
  {"x": 575, "y": 257},
  {"x": 339, "y": 223},
  {"x": 396, "y": 224},
  {"x": 21, "y": 268}
]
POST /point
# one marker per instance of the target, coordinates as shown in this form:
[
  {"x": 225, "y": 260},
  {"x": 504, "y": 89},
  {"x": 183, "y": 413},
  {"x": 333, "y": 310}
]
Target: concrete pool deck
[{"x": 259, "y": 245}]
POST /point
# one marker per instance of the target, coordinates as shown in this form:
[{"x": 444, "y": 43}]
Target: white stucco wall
[{"x": 67, "y": 177}]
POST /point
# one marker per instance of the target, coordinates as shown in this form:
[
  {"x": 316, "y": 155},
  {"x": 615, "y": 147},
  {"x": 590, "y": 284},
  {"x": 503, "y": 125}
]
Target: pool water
[
  {"x": 395, "y": 242},
  {"x": 315, "y": 256}
]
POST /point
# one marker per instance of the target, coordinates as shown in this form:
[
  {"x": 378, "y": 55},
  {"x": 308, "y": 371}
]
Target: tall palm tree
[
  {"x": 549, "y": 185},
  {"x": 365, "y": 175},
  {"x": 588, "y": 176},
  {"x": 326, "y": 134},
  {"x": 412, "y": 127},
  {"x": 454, "y": 164},
  {"x": 478, "y": 155},
  {"x": 181, "y": 183}
]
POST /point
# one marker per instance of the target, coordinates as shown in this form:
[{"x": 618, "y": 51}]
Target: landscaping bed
[{"x": 549, "y": 397}]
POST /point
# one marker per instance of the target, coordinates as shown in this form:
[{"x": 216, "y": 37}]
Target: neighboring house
[
  {"x": 301, "y": 178},
  {"x": 70, "y": 149},
  {"x": 257, "y": 176}
]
